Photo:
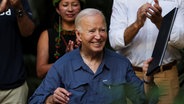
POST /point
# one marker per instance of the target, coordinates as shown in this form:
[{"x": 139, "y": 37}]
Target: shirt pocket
[
  {"x": 114, "y": 90},
  {"x": 78, "y": 90}
]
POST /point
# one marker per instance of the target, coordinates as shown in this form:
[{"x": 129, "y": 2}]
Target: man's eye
[
  {"x": 103, "y": 30},
  {"x": 92, "y": 31}
]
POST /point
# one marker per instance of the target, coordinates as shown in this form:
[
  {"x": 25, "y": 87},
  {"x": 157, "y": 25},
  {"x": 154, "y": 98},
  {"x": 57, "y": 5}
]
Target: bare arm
[
  {"x": 148, "y": 80},
  {"x": 132, "y": 30},
  {"x": 26, "y": 25},
  {"x": 3, "y": 5},
  {"x": 42, "y": 65},
  {"x": 144, "y": 12}
]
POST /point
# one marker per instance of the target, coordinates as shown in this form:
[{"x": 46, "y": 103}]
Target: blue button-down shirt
[{"x": 111, "y": 84}]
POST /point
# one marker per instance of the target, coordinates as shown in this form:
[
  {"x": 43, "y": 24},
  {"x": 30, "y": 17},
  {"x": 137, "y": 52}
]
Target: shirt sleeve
[
  {"x": 47, "y": 87},
  {"x": 118, "y": 24},
  {"x": 135, "y": 90},
  {"x": 177, "y": 34}
]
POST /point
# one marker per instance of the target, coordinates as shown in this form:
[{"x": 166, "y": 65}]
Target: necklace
[{"x": 60, "y": 38}]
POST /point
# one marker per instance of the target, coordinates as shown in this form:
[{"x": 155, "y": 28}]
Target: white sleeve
[
  {"x": 118, "y": 24},
  {"x": 177, "y": 34}
]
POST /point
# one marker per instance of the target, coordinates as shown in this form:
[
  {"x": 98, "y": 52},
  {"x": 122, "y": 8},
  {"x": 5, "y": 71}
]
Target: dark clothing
[
  {"x": 53, "y": 34},
  {"x": 111, "y": 84},
  {"x": 12, "y": 72}
]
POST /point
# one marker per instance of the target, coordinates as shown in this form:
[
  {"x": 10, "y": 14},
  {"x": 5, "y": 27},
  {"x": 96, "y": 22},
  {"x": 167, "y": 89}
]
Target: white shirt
[{"x": 124, "y": 13}]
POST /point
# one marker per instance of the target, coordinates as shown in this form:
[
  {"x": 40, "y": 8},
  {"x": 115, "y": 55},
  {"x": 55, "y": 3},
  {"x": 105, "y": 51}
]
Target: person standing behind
[
  {"x": 15, "y": 21},
  {"x": 55, "y": 42},
  {"x": 134, "y": 27}
]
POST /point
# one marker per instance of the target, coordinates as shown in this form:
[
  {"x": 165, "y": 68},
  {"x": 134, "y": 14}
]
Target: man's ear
[{"x": 78, "y": 35}]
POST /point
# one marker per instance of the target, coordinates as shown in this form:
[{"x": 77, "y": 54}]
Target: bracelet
[
  {"x": 151, "y": 78},
  {"x": 148, "y": 82},
  {"x": 20, "y": 12}
]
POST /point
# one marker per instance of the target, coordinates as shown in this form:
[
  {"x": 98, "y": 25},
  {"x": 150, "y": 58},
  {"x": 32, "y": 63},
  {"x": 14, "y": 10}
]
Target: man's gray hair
[{"x": 87, "y": 12}]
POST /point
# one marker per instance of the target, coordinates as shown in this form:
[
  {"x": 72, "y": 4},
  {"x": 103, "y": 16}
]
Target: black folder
[{"x": 162, "y": 41}]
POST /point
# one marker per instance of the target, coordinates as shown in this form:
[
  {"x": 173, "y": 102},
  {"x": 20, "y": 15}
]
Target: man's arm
[
  {"x": 132, "y": 30},
  {"x": 49, "y": 100},
  {"x": 26, "y": 25},
  {"x": 3, "y": 5},
  {"x": 60, "y": 95},
  {"x": 150, "y": 87},
  {"x": 145, "y": 11}
]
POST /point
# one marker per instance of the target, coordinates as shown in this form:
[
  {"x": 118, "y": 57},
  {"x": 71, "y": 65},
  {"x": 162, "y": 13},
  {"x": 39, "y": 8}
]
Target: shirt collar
[
  {"x": 107, "y": 59},
  {"x": 77, "y": 61}
]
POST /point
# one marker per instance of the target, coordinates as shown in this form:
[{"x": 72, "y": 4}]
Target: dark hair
[{"x": 56, "y": 4}]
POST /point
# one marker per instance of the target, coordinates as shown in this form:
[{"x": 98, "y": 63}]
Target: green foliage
[{"x": 55, "y": 2}]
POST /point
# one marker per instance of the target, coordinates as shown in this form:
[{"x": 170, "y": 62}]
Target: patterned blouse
[{"x": 58, "y": 43}]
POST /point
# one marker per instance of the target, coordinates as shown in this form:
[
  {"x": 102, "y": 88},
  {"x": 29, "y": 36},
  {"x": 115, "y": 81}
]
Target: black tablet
[{"x": 162, "y": 41}]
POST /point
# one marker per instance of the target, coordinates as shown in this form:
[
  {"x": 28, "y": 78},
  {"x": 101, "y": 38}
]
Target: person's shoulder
[
  {"x": 115, "y": 56},
  {"x": 51, "y": 30},
  {"x": 43, "y": 36},
  {"x": 68, "y": 57},
  {"x": 116, "y": 61}
]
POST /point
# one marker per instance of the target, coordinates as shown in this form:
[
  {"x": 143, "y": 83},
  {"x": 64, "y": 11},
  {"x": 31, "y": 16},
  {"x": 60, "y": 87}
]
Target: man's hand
[
  {"x": 141, "y": 15},
  {"x": 3, "y": 5},
  {"x": 145, "y": 69},
  {"x": 60, "y": 96},
  {"x": 154, "y": 13},
  {"x": 15, "y": 4}
]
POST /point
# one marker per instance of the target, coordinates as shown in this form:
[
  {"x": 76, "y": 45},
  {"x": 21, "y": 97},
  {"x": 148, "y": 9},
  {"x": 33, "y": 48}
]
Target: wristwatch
[
  {"x": 19, "y": 12},
  {"x": 147, "y": 82}
]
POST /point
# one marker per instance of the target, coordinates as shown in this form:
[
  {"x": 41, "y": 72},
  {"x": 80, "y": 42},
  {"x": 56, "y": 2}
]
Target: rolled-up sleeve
[
  {"x": 135, "y": 90},
  {"x": 177, "y": 34},
  {"x": 118, "y": 24}
]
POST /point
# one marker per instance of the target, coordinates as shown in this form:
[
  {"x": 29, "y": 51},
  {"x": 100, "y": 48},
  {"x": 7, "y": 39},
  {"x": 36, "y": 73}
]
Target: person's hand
[
  {"x": 145, "y": 69},
  {"x": 154, "y": 13},
  {"x": 146, "y": 64},
  {"x": 141, "y": 15},
  {"x": 3, "y": 5},
  {"x": 61, "y": 96},
  {"x": 77, "y": 43},
  {"x": 15, "y": 4},
  {"x": 70, "y": 46}
]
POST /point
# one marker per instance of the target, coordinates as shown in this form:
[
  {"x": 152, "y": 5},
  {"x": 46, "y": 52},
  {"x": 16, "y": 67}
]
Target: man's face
[{"x": 93, "y": 33}]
